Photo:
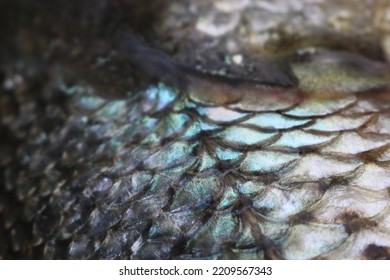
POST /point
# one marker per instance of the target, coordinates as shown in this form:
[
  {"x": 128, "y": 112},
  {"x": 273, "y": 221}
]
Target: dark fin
[
  {"x": 159, "y": 65},
  {"x": 152, "y": 62}
]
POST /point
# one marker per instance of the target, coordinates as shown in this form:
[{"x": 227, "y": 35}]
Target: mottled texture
[{"x": 210, "y": 169}]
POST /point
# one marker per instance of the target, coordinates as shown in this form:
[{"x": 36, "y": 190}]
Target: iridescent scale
[{"x": 188, "y": 181}]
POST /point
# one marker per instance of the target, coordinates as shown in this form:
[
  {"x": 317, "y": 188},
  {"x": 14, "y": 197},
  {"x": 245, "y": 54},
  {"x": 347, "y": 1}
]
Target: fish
[{"x": 210, "y": 129}]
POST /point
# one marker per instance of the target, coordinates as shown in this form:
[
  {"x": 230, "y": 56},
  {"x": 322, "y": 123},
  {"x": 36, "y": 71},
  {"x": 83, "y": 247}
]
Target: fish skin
[{"x": 281, "y": 172}]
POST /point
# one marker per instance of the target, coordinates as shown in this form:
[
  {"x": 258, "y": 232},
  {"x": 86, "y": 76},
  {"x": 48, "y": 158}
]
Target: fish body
[{"x": 276, "y": 151}]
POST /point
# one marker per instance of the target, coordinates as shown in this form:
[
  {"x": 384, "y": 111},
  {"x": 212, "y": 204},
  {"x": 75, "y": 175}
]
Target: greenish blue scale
[
  {"x": 90, "y": 102},
  {"x": 219, "y": 229},
  {"x": 140, "y": 179},
  {"x": 228, "y": 199},
  {"x": 175, "y": 122},
  {"x": 204, "y": 126},
  {"x": 171, "y": 124},
  {"x": 111, "y": 148},
  {"x": 249, "y": 254},
  {"x": 113, "y": 108},
  {"x": 189, "y": 104},
  {"x": 166, "y": 95},
  {"x": 73, "y": 90},
  {"x": 160, "y": 184},
  {"x": 223, "y": 227},
  {"x": 84, "y": 119},
  {"x": 139, "y": 152},
  {"x": 131, "y": 130},
  {"x": 201, "y": 110},
  {"x": 108, "y": 147},
  {"x": 155, "y": 231},
  {"x": 266, "y": 161},
  {"x": 177, "y": 171},
  {"x": 171, "y": 154},
  {"x": 246, "y": 237},
  {"x": 179, "y": 105},
  {"x": 121, "y": 132},
  {"x": 206, "y": 162},
  {"x": 274, "y": 121},
  {"x": 183, "y": 103},
  {"x": 154, "y": 203},
  {"x": 114, "y": 144},
  {"x": 100, "y": 150},
  {"x": 227, "y": 154},
  {"x": 151, "y": 93},
  {"x": 245, "y": 136},
  {"x": 133, "y": 112},
  {"x": 250, "y": 188},
  {"x": 106, "y": 129},
  {"x": 164, "y": 180},
  {"x": 183, "y": 218},
  {"x": 198, "y": 190},
  {"x": 150, "y": 139},
  {"x": 191, "y": 131},
  {"x": 148, "y": 122}
]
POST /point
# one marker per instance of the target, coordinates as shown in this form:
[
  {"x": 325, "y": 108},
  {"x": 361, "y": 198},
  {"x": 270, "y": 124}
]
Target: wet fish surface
[{"x": 195, "y": 130}]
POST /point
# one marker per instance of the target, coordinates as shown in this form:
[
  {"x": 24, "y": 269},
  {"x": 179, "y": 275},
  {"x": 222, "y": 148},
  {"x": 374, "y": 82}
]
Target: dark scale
[{"x": 194, "y": 129}]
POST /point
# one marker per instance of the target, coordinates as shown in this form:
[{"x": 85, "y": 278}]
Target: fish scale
[{"x": 255, "y": 171}]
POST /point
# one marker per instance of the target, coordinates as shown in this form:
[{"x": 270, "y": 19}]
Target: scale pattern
[
  {"x": 280, "y": 173},
  {"x": 162, "y": 176}
]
